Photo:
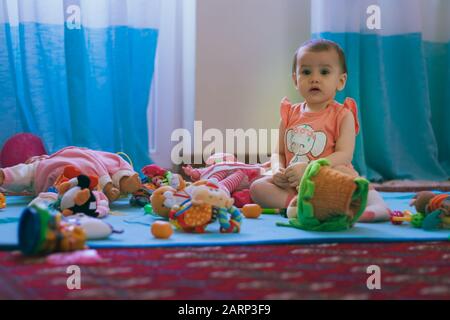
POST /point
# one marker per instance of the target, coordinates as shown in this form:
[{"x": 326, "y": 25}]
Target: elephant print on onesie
[{"x": 305, "y": 143}]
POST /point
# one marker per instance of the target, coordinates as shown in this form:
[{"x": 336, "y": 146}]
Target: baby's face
[{"x": 319, "y": 75}]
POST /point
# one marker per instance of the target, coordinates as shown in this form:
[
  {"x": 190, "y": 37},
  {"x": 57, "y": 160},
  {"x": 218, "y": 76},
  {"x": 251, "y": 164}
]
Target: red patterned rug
[{"x": 326, "y": 271}]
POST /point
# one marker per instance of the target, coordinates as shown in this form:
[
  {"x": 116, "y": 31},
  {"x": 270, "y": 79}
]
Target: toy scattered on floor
[
  {"x": 2, "y": 201},
  {"x": 70, "y": 172},
  {"x": 433, "y": 212},
  {"x": 253, "y": 211},
  {"x": 148, "y": 209},
  {"x": 95, "y": 229},
  {"x": 328, "y": 200},
  {"x": 37, "y": 175},
  {"x": 43, "y": 232},
  {"x": 207, "y": 202},
  {"x": 162, "y": 177},
  {"x": 161, "y": 229},
  {"x": 155, "y": 177},
  {"x": 398, "y": 217},
  {"x": 141, "y": 197},
  {"x": 76, "y": 197},
  {"x": 165, "y": 197},
  {"x": 230, "y": 174}
]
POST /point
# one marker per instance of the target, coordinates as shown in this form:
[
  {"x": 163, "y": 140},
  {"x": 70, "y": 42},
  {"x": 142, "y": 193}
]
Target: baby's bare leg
[{"x": 268, "y": 195}]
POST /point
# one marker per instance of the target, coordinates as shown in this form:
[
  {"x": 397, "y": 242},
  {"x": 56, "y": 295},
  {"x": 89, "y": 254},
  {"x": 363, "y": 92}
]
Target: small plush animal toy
[
  {"x": 77, "y": 197},
  {"x": 435, "y": 209}
]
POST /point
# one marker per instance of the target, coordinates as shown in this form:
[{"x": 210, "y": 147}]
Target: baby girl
[{"x": 318, "y": 128}]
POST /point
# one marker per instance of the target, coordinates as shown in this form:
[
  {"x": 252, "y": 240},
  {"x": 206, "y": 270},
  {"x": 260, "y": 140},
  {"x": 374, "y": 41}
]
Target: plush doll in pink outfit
[
  {"x": 230, "y": 174},
  {"x": 115, "y": 175}
]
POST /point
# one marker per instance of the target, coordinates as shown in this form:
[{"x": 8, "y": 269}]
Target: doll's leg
[
  {"x": 219, "y": 176},
  {"x": 231, "y": 182},
  {"x": 19, "y": 177},
  {"x": 376, "y": 209},
  {"x": 268, "y": 195}
]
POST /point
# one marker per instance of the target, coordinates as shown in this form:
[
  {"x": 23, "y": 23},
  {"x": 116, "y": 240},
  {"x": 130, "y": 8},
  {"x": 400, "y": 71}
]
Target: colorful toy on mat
[
  {"x": 43, "y": 232},
  {"x": 164, "y": 198},
  {"x": 328, "y": 200},
  {"x": 398, "y": 217},
  {"x": 141, "y": 197},
  {"x": 433, "y": 211},
  {"x": 162, "y": 177},
  {"x": 77, "y": 197},
  {"x": 2, "y": 201},
  {"x": 253, "y": 211},
  {"x": 207, "y": 201},
  {"x": 155, "y": 177},
  {"x": 161, "y": 229},
  {"x": 94, "y": 228},
  {"x": 71, "y": 172},
  {"x": 230, "y": 174}
]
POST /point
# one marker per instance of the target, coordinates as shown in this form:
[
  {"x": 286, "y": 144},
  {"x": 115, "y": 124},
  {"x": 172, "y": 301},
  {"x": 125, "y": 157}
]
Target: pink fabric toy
[
  {"x": 230, "y": 174},
  {"x": 37, "y": 175}
]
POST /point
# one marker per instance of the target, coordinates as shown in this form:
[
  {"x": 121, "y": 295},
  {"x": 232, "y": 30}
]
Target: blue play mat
[{"x": 263, "y": 230}]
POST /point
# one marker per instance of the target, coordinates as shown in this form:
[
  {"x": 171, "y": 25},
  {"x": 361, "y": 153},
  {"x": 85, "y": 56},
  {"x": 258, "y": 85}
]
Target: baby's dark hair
[{"x": 318, "y": 45}]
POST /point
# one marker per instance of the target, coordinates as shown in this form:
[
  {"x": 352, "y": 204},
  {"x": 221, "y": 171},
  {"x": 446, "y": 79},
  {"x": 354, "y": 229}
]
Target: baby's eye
[
  {"x": 306, "y": 72},
  {"x": 324, "y": 72}
]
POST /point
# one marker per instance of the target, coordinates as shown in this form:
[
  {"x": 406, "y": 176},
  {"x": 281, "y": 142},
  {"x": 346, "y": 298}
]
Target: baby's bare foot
[{"x": 130, "y": 184}]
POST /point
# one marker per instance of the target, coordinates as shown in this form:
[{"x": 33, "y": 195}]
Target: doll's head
[{"x": 319, "y": 71}]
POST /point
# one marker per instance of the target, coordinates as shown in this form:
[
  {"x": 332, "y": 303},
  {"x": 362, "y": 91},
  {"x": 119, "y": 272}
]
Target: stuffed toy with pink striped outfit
[{"x": 230, "y": 174}]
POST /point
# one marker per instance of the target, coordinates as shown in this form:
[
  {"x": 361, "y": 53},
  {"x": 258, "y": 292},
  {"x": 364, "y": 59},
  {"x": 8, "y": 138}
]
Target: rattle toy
[
  {"x": 253, "y": 211},
  {"x": 328, "y": 199}
]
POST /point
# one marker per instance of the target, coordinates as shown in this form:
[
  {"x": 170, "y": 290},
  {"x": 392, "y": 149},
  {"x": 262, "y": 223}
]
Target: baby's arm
[
  {"x": 278, "y": 160},
  {"x": 345, "y": 144}
]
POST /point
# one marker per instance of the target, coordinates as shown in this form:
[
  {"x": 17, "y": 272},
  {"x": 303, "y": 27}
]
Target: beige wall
[{"x": 243, "y": 60}]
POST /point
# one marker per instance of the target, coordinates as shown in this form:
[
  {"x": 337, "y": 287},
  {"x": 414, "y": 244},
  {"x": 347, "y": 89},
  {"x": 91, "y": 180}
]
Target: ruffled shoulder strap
[
  {"x": 285, "y": 110},
  {"x": 350, "y": 104}
]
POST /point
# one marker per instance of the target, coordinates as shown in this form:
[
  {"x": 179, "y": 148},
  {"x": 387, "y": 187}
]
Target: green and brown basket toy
[{"x": 328, "y": 200}]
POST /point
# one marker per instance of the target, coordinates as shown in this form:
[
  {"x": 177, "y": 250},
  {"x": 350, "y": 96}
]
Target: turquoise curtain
[
  {"x": 400, "y": 77},
  {"x": 79, "y": 73}
]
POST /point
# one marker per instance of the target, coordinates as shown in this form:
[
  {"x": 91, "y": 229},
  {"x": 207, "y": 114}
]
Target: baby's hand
[
  {"x": 294, "y": 173},
  {"x": 280, "y": 180}
]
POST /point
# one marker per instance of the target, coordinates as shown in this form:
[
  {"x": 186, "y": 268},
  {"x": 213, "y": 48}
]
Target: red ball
[{"x": 19, "y": 148}]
